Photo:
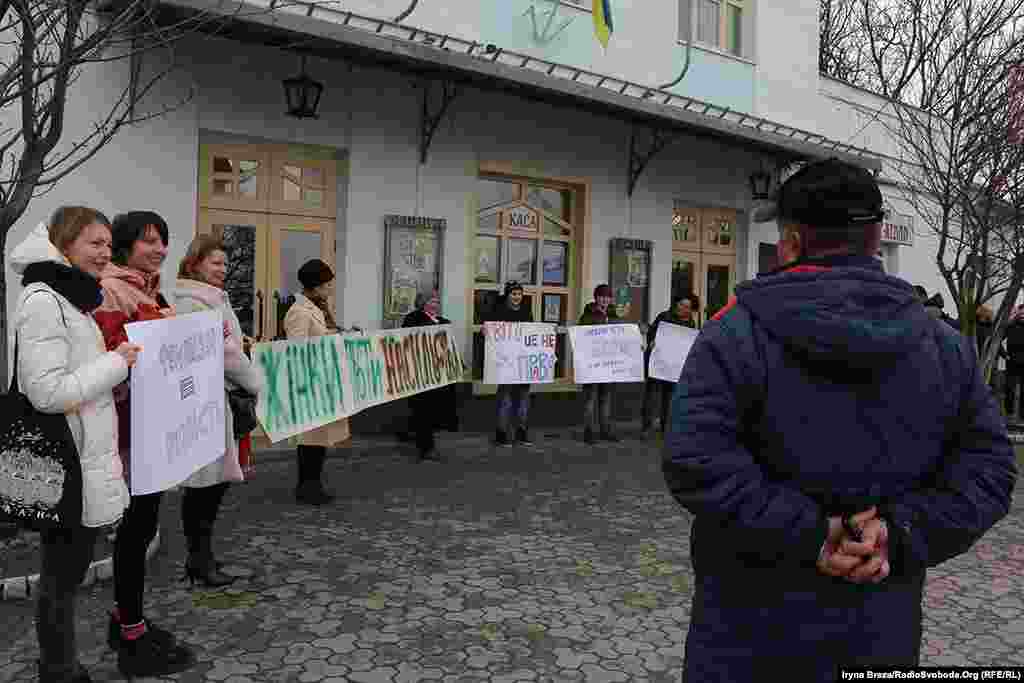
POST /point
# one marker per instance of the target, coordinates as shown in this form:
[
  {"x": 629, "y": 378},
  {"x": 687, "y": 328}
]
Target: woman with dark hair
[
  {"x": 434, "y": 408},
  {"x": 200, "y": 287},
  {"x": 62, "y": 366},
  {"x": 513, "y": 400},
  {"x": 680, "y": 313},
  {"x": 311, "y": 316},
  {"x": 131, "y": 293}
]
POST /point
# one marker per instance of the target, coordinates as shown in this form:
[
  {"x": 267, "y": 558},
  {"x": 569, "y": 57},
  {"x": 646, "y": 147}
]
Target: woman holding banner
[
  {"x": 512, "y": 399},
  {"x": 597, "y": 398},
  {"x": 200, "y": 287},
  {"x": 681, "y": 313},
  {"x": 434, "y": 408},
  {"x": 311, "y": 316},
  {"x": 62, "y": 366},
  {"x": 131, "y": 293}
]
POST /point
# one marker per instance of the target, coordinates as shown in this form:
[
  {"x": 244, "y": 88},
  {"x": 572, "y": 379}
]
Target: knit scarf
[{"x": 325, "y": 308}]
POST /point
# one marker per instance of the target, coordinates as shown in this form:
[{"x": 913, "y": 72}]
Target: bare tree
[
  {"x": 841, "y": 51},
  {"x": 951, "y": 70},
  {"x": 45, "y": 47}
]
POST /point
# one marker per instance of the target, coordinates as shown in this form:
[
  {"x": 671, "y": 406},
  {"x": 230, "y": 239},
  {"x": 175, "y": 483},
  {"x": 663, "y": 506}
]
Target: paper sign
[
  {"x": 177, "y": 399},
  {"x": 315, "y": 381},
  {"x": 672, "y": 345},
  {"x": 519, "y": 353},
  {"x": 607, "y": 353}
]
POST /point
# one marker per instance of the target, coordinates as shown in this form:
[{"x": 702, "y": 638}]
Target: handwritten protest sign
[
  {"x": 671, "y": 347},
  {"x": 607, "y": 353},
  {"x": 313, "y": 382},
  {"x": 519, "y": 353},
  {"x": 177, "y": 399}
]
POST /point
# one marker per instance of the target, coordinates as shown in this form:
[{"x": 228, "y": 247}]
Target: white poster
[
  {"x": 607, "y": 353},
  {"x": 177, "y": 399},
  {"x": 519, "y": 353},
  {"x": 672, "y": 345}
]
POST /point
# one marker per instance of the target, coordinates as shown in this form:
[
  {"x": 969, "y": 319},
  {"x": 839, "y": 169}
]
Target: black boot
[
  {"x": 79, "y": 675},
  {"x": 200, "y": 565},
  {"x": 588, "y": 436},
  {"x": 500, "y": 438},
  {"x": 523, "y": 436},
  {"x": 153, "y": 654},
  {"x": 310, "y": 490}
]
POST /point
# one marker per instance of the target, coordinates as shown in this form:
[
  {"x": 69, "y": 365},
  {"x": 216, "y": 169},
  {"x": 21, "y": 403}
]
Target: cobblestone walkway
[{"x": 555, "y": 563}]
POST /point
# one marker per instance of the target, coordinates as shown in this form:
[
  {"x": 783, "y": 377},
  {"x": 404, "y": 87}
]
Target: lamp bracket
[
  {"x": 436, "y": 97},
  {"x": 643, "y": 146}
]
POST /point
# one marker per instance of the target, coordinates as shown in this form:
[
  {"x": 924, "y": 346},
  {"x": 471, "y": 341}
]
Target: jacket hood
[
  {"x": 839, "y": 314},
  {"x": 200, "y": 291},
  {"x": 35, "y": 248}
]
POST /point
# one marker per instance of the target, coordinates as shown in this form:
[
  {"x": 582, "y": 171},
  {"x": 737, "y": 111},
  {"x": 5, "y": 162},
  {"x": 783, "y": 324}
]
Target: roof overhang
[{"x": 334, "y": 34}]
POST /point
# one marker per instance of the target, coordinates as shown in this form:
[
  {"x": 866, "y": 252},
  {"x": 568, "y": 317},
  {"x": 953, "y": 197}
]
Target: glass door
[
  {"x": 294, "y": 240},
  {"x": 246, "y": 239}
]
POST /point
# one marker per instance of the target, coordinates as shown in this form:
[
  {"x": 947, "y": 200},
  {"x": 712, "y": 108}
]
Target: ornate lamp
[{"x": 302, "y": 94}]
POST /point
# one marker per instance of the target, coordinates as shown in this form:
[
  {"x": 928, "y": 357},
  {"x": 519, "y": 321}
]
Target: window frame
[{"x": 689, "y": 25}]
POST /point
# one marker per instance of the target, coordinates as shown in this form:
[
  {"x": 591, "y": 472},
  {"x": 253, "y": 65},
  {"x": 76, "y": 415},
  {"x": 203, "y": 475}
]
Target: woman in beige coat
[
  {"x": 310, "y": 316},
  {"x": 200, "y": 287}
]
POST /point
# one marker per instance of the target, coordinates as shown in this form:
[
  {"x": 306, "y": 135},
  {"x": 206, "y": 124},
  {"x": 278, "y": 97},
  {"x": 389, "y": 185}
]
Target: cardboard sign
[
  {"x": 177, "y": 399},
  {"x": 607, "y": 353},
  {"x": 519, "y": 353},
  {"x": 672, "y": 345}
]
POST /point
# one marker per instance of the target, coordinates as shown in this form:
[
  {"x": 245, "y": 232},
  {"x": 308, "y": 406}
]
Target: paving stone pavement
[{"x": 546, "y": 564}]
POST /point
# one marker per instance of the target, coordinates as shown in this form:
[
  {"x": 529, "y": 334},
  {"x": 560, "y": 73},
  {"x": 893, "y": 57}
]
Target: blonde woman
[
  {"x": 311, "y": 316},
  {"x": 63, "y": 366},
  {"x": 200, "y": 287}
]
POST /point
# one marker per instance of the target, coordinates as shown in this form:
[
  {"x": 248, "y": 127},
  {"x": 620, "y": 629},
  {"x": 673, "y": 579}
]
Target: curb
[{"x": 23, "y": 587}]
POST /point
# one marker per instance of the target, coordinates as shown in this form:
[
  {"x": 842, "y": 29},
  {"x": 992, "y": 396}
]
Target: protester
[
  {"x": 434, "y": 408},
  {"x": 1014, "y": 362},
  {"x": 984, "y": 326},
  {"x": 62, "y": 366},
  {"x": 680, "y": 313},
  {"x": 783, "y": 427},
  {"x": 131, "y": 293},
  {"x": 597, "y": 398},
  {"x": 921, "y": 293},
  {"x": 513, "y": 400},
  {"x": 200, "y": 287},
  {"x": 935, "y": 307},
  {"x": 311, "y": 316}
]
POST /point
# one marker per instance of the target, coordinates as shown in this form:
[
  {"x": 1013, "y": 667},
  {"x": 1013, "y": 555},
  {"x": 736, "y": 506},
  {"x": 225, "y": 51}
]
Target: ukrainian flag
[{"x": 603, "y": 21}]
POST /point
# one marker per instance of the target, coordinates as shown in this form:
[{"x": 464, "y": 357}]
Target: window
[
  {"x": 524, "y": 232},
  {"x": 719, "y": 23}
]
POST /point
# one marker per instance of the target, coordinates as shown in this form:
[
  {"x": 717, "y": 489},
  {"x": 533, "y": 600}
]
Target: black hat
[
  {"x": 314, "y": 273},
  {"x": 829, "y": 194},
  {"x": 603, "y": 290},
  {"x": 512, "y": 287}
]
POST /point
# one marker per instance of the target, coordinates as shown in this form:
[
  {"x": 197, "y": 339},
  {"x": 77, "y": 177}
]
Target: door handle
[{"x": 259, "y": 298}]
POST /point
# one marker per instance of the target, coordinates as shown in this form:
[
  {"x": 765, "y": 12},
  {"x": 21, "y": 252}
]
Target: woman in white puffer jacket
[{"x": 63, "y": 367}]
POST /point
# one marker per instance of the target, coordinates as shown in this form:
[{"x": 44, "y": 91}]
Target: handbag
[
  {"x": 243, "y": 412},
  {"x": 40, "y": 469}
]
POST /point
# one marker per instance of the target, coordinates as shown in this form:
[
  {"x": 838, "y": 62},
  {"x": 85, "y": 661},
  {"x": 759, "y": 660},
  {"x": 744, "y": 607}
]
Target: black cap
[
  {"x": 512, "y": 287},
  {"x": 829, "y": 193},
  {"x": 314, "y": 273}
]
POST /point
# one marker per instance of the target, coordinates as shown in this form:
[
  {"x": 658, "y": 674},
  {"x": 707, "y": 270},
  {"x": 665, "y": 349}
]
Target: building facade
[{"x": 478, "y": 142}]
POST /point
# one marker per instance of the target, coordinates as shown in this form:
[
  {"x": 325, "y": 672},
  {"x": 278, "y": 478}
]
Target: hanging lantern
[{"x": 302, "y": 94}]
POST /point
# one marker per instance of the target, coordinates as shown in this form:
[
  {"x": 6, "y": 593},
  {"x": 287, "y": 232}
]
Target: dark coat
[
  {"x": 502, "y": 312},
  {"x": 1015, "y": 342},
  {"x": 438, "y": 407},
  {"x": 825, "y": 390},
  {"x": 592, "y": 316}
]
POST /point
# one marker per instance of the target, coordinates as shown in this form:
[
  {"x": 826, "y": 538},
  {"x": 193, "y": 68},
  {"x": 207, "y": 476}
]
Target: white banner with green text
[{"x": 315, "y": 381}]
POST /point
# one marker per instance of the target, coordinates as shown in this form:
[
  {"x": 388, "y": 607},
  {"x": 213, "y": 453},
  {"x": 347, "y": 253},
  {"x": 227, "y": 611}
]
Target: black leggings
[
  {"x": 66, "y": 557},
  {"x": 199, "y": 508},
  {"x": 137, "y": 529}
]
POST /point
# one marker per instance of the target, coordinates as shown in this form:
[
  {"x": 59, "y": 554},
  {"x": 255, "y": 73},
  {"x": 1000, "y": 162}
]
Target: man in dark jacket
[
  {"x": 512, "y": 399},
  {"x": 680, "y": 313},
  {"x": 597, "y": 398},
  {"x": 825, "y": 406},
  {"x": 435, "y": 408}
]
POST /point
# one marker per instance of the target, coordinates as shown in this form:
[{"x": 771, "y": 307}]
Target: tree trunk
[{"x": 4, "y": 312}]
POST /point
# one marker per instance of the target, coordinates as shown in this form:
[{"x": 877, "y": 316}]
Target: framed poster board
[
  {"x": 413, "y": 251},
  {"x": 630, "y": 277}
]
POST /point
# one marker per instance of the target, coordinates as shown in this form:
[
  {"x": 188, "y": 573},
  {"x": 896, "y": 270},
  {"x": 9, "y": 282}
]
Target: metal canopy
[{"x": 334, "y": 33}]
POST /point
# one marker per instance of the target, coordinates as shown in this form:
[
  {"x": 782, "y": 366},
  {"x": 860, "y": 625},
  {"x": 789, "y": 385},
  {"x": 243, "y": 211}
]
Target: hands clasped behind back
[{"x": 859, "y": 561}]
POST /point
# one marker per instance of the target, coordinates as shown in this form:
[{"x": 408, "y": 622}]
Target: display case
[{"x": 413, "y": 251}]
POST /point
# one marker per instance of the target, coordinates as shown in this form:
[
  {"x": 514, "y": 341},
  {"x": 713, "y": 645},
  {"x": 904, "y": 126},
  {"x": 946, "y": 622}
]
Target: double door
[
  {"x": 264, "y": 254},
  {"x": 704, "y": 256}
]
